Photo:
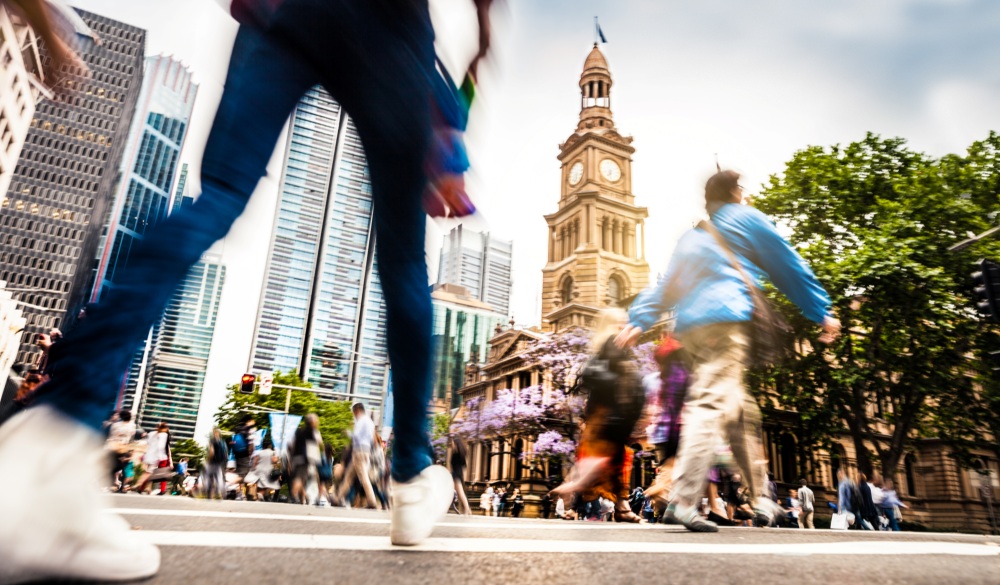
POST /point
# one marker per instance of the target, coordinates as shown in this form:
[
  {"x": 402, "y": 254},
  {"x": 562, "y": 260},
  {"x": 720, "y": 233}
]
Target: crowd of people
[{"x": 243, "y": 467}]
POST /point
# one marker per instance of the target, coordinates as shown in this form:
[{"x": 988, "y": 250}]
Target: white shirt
[
  {"x": 560, "y": 508},
  {"x": 156, "y": 448},
  {"x": 364, "y": 433}
]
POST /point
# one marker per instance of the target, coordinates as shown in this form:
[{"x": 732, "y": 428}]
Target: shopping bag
[{"x": 838, "y": 521}]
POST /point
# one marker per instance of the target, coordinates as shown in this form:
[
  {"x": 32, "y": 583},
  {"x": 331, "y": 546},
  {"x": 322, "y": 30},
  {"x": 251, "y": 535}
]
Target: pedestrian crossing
[{"x": 573, "y": 538}]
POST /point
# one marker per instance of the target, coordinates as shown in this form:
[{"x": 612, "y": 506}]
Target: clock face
[
  {"x": 610, "y": 170},
  {"x": 575, "y": 173}
]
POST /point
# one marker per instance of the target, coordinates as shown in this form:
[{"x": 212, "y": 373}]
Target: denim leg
[
  {"x": 381, "y": 76},
  {"x": 264, "y": 82}
]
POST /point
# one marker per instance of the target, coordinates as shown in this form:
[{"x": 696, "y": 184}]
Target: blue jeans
[
  {"x": 378, "y": 64},
  {"x": 890, "y": 513}
]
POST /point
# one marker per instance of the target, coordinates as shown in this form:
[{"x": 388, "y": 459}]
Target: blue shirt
[{"x": 703, "y": 287}]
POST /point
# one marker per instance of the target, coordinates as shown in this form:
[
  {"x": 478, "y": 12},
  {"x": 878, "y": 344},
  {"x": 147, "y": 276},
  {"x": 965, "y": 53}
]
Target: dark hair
[
  {"x": 125, "y": 415},
  {"x": 720, "y": 186},
  {"x": 162, "y": 427},
  {"x": 802, "y": 482},
  {"x": 247, "y": 418},
  {"x": 358, "y": 407}
]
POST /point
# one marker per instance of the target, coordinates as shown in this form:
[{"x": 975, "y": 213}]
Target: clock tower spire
[{"x": 596, "y": 240}]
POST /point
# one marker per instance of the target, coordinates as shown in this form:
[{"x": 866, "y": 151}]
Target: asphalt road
[{"x": 255, "y": 543}]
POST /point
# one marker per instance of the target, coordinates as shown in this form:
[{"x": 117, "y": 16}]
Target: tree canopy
[
  {"x": 874, "y": 220},
  {"x": 334, "y": 416}
]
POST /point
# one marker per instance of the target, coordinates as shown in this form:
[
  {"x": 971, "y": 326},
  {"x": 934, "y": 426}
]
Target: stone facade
[{"x": 596, "y": 239}]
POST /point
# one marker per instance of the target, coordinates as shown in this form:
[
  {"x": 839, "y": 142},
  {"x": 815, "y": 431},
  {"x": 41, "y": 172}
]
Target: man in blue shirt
[{"x": 713, "y": 305}]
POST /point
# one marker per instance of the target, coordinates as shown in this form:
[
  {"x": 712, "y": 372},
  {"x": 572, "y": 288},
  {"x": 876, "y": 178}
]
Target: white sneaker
[
  {"x": 51, "y": 532},
  {"x": 419, "y": 503},
  {"x": 767, "y": 511}
]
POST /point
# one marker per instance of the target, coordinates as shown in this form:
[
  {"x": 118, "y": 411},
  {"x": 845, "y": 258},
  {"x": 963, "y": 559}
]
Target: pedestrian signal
[{"x": 246, "y": 383}]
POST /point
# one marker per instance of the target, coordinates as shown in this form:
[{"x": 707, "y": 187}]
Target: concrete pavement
[{"x": 250, "y": 542}]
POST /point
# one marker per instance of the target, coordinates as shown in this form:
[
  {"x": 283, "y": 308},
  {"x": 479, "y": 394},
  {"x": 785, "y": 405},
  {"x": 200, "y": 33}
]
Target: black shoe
[{"x": 720, "y": 520}]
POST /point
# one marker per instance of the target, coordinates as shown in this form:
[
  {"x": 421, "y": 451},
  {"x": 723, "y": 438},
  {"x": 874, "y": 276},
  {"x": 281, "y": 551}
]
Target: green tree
[
  {"x": 874, "y": 220},
  {"x": 190, "y": 449},
  {"x": 335, "y": 416}
]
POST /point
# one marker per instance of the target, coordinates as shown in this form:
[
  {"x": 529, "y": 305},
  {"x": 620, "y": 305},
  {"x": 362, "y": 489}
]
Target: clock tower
[{"x": 596, "y": 237}]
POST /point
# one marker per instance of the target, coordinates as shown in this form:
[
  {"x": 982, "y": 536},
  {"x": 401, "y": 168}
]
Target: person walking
[
  {"x": 157, "y": 456},
  {"x": 121, "y": 435},
  {"x": 486, "y": 501},
  {"x": 362, "y": 442},
  {"x": 498, "y": 502},
  {"x": 213, "y": 475},
  {"x": 546, "y": 506},
  {"x": 891, "y": 505},
  {"x": 305, "y": 451},
  {"x": 458, "y": 460},
  {"x": 868, "y": 511},
  {"x": 615, "y": 401},
  {"x": 707, "y": 284},
  {"x": 261, "y": 481},
  {"x": 517, "y": 503},
  {"x": 242, "y": 449},
  {"x": 807, "y": 500},
  {"x": 665, "y": 391},
  {"x": 847, "y": 503},
  {"x": 376, "y": 58}
]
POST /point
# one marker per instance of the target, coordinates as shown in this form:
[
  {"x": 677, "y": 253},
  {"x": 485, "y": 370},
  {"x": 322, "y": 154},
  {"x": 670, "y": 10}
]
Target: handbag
[
  {"x": 770, "y": 334},
  {"x": 838, "y": 521}
]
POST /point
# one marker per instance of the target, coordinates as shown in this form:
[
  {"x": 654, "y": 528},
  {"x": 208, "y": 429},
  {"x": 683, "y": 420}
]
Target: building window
[
  {"x": 566, "y": 292},
  {"x": 909, "y": 466},
  {"x": 615, "y": 290}
]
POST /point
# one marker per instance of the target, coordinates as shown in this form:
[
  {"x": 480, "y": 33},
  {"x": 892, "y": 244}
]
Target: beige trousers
[
  {"x": 806, "y": 519},
  {"x": 360, "y": 463},
  {"x": 718, "y": 410}
]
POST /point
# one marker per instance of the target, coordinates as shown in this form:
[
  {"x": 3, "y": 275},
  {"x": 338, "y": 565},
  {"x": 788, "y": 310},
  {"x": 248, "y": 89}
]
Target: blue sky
[{"x": 751, "y": 80}]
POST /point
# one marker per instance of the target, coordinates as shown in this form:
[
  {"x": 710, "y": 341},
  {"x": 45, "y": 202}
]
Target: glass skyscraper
[
  {"x": 480, "y": 263},
  {"x": 162, "y": 115},
  {"x": 321, "y": 312},
  {"x": 463, "y": 326},
  {"x": 176, "y": 369}
]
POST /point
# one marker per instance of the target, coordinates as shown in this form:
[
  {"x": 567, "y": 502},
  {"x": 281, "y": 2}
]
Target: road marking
[
  {"x": 509, "y": 545},
  {"x": 471, "y": 523}
]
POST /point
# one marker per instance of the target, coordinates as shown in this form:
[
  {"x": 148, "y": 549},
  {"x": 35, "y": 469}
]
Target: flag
[{"x": 600, "y": 33}]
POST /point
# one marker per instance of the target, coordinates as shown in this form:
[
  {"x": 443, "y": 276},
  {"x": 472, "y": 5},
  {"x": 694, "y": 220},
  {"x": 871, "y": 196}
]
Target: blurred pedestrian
[
  {"x": 242, "y": 448},
  {"x": 615, "y": 399},
  {"x": 213, "y": 473},
  {"x": 546, "y": 504},
  {"x": 121, "y": 434},
  {"x": 709, "y": 286},
  {"x": 377, "y": 60},
  {"x": 517, "y": 503},
  {"x": 486, "y": 501},
  {"x": 362, "y": 442},
  {"x": 808, "y": 502},
  {"x": 847, "y": 501},
  {"x": 262, "y": 481},
  {"x": 458, "y": 461},
  {"x": 305, "y": 452},
  {"x": 869, "y": 511},
  {"x": 157, "y": 456},
  {"x": 665, "y": 392},
  {"x": 891, "y": 505}
]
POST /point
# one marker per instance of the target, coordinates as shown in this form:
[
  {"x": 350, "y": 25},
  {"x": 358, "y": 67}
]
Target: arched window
[
  {"x": 566, "y": 291},
  {"x": 615, "y": 290},
  {"x": 909, "y": 466}
]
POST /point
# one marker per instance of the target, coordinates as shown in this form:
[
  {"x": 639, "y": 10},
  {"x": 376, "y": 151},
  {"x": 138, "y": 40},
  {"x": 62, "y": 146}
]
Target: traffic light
[
  {"x": 987, "y": 281},
  {"x": 247, "y": 382}
]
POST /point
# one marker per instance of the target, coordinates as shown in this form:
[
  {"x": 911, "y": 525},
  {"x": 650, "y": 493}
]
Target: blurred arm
[{"x": 787, "y": 269}]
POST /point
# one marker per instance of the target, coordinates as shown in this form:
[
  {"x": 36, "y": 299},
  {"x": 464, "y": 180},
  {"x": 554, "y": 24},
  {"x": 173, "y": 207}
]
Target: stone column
[
  {"x": 606, "y": 231},
  {"x": 618, "y": 237},
  {"x": 552, "y": 244}
]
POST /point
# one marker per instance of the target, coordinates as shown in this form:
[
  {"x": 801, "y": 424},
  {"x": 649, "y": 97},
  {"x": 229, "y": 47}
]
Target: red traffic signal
[{"x": 247, "y": 382}]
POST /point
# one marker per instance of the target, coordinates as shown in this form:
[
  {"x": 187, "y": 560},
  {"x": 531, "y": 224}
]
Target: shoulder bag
[{"x": 770, "y": 335}]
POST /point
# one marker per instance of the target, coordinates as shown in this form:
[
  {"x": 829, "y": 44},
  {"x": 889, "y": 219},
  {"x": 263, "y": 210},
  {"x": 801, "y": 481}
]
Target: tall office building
[
  {"x": 321, "y": 310},
  {"x": 149, "y": 166},
  {"x": 480, "y": 263},
  {"x": 175, "y": 375},
  {"x": 21, "y": 79},
  {"x": 59, "y": 196},
  {"x": 463, "y": 326}
]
